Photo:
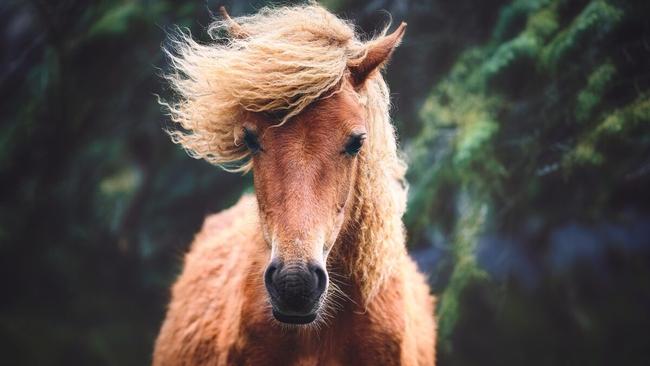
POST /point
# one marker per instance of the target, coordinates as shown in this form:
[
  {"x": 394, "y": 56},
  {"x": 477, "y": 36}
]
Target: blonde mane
[{"x": 290, "y": 57}]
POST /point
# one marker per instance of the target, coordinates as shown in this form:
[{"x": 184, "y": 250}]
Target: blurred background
[{"x": 526, "y": 124}]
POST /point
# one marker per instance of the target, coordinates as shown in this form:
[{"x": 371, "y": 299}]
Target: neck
[{"x": 372, "y": 243}]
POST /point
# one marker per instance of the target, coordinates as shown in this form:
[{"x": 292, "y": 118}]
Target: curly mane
[{"x": 289, "y": 58}]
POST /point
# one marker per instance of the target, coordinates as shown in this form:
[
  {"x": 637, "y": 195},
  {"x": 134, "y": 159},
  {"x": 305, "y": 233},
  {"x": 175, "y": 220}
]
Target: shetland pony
[{"x": 312, "y": 269}]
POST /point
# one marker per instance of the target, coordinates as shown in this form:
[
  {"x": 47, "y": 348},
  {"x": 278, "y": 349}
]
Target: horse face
[{"x": 304, "y": 173}]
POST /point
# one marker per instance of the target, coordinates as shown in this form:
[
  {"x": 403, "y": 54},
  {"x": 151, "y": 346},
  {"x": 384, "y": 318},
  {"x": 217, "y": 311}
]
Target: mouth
[{"x": 294, "y": 319}]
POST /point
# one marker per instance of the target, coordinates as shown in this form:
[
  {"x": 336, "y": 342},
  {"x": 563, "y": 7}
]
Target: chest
[{"x": 353, "y": 338}]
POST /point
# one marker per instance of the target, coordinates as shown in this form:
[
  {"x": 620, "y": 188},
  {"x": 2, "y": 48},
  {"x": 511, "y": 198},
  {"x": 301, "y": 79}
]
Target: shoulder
[{"x": 224, "y": 241}]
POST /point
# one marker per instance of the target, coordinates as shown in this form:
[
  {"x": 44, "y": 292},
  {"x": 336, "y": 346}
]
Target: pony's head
[{"x": 285, "y": 93}]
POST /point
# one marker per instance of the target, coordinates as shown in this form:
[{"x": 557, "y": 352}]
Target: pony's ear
[
  {"x": 234, "y": 28},
  {"x": 378, "y": 53}
]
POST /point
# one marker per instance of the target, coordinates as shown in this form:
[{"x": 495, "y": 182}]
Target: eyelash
[
  {"x": 251, "y": 142},
  {"x": 354, "y": 145}
]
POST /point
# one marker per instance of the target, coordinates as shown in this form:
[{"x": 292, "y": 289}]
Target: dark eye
[
  {"x": 354, "y": 144},
  {"x": 251, "y": 141}
]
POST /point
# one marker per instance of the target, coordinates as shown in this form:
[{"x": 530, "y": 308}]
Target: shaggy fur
[{"x": 378, "y": 310}]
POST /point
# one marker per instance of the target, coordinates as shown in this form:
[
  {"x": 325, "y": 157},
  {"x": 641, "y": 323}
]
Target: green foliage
[
  {"x": 521, "y": 127},
  {"x": 596, "y": 20},
  {"x": 116, "y": 20},
  {"x": 470, "y": 224},
  {"x": 510, "y": 15},
  {"x": 592, "y": 94},
  {"x": 615, "y": 125}
]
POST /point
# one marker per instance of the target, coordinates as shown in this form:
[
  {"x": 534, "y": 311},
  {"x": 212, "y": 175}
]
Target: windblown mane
[{"x": 288, "y": 58}]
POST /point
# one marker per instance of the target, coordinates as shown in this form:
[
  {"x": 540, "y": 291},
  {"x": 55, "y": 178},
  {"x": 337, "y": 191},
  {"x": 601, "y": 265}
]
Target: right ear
[{"x": 378, "y": 53}]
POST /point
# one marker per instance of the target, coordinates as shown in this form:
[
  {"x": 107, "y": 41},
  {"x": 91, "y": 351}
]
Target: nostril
[
  {"x": 320, "y": 277},
  {"x": 270, "y": 274}
]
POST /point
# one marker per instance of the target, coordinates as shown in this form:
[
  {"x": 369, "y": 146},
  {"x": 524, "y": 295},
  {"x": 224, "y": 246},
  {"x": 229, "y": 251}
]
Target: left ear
[{"x": 378, "y": 53}]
